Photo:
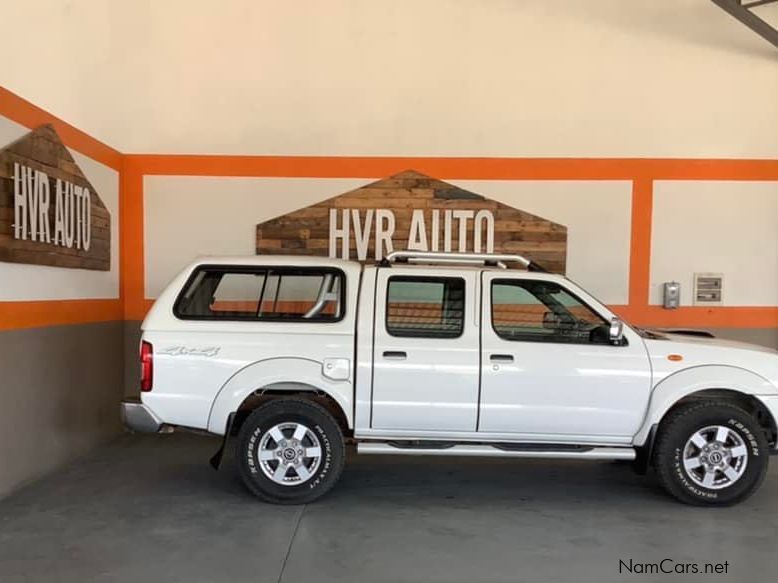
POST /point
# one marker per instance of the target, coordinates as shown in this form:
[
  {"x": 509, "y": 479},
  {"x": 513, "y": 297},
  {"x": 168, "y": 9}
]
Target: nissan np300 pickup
[{"x": 448, "y": 355}]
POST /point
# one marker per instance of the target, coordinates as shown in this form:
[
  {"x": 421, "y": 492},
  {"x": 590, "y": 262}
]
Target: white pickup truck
[{"x": 447, "y": 355}]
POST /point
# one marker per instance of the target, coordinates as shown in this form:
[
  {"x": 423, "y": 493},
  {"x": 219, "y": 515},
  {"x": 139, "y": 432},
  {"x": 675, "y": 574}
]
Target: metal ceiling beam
[{"x": 745, "y": 15}]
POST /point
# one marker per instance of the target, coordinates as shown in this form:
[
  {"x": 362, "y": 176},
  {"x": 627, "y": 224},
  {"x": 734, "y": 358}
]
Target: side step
[{"x": 500, "y": 450}]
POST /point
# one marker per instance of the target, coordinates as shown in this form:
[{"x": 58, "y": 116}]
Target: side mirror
[
  {"x": 616, "y": 331},
  {"x": 550, "y": 321}
]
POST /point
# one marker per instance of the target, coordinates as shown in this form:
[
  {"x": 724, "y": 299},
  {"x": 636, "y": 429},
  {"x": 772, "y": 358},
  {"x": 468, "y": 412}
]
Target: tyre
[
  {"x": 290, "y": 451},
  {"x": 710, "y": 454}
]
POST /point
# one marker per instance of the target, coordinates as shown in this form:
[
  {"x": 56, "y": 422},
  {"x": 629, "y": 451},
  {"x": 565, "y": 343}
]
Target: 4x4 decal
[{"x": 208, "y": 351}]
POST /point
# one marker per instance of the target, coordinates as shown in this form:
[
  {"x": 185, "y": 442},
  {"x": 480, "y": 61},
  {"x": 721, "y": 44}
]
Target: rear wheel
[
  {"x": 290, "y": 451},
  {"x": 711, "y": 453}
]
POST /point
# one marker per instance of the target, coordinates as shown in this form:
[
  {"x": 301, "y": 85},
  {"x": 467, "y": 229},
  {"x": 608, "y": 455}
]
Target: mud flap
[
  {"x": 645, "y": 453},
  {"x": 216, "y": 460}
]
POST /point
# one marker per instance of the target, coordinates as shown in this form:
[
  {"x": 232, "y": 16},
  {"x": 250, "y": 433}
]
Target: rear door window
[{"x": 425, "y": 307}]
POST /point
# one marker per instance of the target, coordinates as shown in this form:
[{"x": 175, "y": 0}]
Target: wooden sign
[
  {"x": 49, "y": 212},
  {"x": 411, "y": 211}
]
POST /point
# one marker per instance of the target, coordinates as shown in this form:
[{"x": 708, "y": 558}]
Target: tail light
[{"x": 146, "y": 366}]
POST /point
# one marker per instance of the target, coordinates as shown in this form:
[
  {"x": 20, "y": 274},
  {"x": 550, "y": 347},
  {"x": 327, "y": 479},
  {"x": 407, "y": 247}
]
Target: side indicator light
[{"x": 674, "y": 357}]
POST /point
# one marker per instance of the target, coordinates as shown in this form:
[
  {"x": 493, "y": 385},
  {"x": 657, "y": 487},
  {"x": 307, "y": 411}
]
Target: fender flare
[
  {"x": 285, "y": 373},
  {"x": 684, "y": 382}
]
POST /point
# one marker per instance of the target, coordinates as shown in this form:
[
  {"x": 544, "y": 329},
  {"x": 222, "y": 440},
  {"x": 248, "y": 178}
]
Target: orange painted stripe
[
  {"x": 640, "y": 172},
  {"x": 131, "y": 244},
  {"x": 25, "y": 113},
  {"x": 640, "y": 242},
  {"x": 701, "y": 317},
  {"x": 17, "y": 315},
  {"x": 460, "y": 168},
  {"x": 147, "y": 303}
]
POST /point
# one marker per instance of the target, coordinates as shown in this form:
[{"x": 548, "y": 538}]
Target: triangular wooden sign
[
  {"x": 413, "y": 211},
  {"x": 49, "y": 212}
]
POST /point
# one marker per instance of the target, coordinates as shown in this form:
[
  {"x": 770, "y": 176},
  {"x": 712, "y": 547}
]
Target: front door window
[{"x": 542, "y": 311}]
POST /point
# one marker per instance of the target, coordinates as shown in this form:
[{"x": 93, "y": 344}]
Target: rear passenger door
[{"x": 426, "y": 354}]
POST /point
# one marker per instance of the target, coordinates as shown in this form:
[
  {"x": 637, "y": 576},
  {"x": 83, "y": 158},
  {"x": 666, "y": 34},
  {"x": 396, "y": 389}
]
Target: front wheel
[
  {"x": 290, "y": 451},
  {"x": 711, "y": 453}
]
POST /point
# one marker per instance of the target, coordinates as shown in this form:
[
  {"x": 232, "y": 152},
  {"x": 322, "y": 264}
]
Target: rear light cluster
[{"x": 146, "y": 366}]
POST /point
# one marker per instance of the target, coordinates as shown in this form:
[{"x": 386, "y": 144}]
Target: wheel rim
[
  {"x": 289, "y": 454},
  {"x": 715, "y": 457}
]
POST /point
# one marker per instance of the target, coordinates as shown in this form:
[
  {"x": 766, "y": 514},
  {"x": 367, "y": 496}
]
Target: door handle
[
  {"x": 395, "y": 354},
  {"x": 501, "y": 358}
]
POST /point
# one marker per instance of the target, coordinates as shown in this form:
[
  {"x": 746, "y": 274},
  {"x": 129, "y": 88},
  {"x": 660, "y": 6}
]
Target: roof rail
[{"x": 495, "y": 259}]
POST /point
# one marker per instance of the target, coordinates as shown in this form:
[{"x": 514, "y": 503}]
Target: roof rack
[{"x": 435, "y": 257}]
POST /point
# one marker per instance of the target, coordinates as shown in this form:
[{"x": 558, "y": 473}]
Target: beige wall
[
  {"x": 586, "y": 78},
  {"x": 60, "y": 386}
]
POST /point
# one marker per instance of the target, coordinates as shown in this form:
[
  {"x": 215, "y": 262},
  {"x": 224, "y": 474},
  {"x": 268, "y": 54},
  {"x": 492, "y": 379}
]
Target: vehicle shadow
[{"x": 473, "y": 481}]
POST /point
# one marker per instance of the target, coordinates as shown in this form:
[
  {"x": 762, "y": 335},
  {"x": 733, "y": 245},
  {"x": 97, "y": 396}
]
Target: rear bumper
[{"x": 137, "y": 417}]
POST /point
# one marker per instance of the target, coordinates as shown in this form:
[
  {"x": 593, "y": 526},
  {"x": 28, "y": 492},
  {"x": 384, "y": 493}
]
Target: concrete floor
[{"x": 149, "y": 508}]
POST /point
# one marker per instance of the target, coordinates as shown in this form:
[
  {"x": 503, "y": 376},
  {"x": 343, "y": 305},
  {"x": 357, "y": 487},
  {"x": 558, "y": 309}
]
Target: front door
[
  {"x": 549, "y": 370},
  {"x": 426, "y": 354}
]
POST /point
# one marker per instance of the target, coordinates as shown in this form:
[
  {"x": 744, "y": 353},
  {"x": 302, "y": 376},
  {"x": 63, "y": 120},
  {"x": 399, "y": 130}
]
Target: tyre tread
[
  {"x": 337, "y": 444},
  {"x": 664, "y": 455}
]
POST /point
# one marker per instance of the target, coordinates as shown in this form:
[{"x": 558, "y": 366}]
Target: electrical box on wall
[
  {"x": 708, "y": 289},
  {"x": 672, "y": 295}
]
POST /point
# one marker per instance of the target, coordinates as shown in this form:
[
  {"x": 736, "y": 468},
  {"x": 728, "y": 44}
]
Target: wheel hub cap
[
  {"x": 289, "y": 453},
  {"x": 715, "y": 457}
]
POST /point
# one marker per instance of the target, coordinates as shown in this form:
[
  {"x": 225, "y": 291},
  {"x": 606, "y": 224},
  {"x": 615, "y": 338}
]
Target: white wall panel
[
  {"x": 720, "y": 227},
  {"x": 190, "y": 216},
  {"x": 597, "y": 216},
  {"x": 20, "y": 281}
]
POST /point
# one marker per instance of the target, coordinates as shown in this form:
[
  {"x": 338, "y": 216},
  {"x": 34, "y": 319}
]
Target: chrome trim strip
[{"x": 595, "y": 453}]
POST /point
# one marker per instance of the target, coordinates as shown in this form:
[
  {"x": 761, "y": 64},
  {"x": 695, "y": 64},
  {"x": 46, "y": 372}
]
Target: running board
[{"x": 563, "y": 452}]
